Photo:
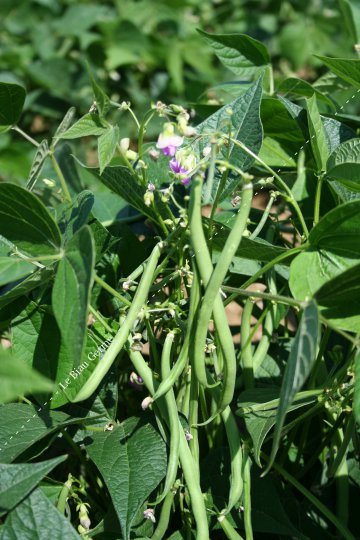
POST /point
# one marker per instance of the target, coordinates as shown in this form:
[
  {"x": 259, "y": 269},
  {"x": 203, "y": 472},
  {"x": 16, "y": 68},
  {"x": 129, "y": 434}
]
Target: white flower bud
[{"x": 124, "y": 144}]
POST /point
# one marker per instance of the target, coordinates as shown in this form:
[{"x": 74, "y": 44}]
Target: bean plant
[{"x": 180, "y": 317}]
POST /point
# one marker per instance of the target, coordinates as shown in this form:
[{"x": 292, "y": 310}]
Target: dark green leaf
[
  {"x": 298, "y": 87},
  {"x": 345, "y": 68},
  {"x": 240, "y": 53},
  {"x": 317, "y": 134},
  {"x": 12, "y": 269},
  {"x": 107, "y": 143},
  {"x": 19, "y": 479},
  {"x": 26, "y": 222},
  {"x": 23, "y": 425},
  {"x": 75, "y": 215},
  {"x": 259, "y": 420},
  {"x": 356, "y": 404},
  {"x": 301, "y": 358},
  {"x": 67, "y": 165},
  {"x": 12, "y": 97},
  {"x": 121, "y": 181},
  {"x": 132, "y": 461},
  {"x": 18, "y": 379},
  {"x": 343, "y": 164},
  {"x": 338, "y": 231},
  {"x": 42, "y": 153},
  {"x": 244, "y": 121},
  {"x": 36, "y": 279},
  {"x": 90, "y": 124},
  {"x": 36, "y": 518},
  {"x": 101, "y": 99},
  {"x": 71, "y": 291}
]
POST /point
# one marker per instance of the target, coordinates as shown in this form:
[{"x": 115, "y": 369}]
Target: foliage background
[{"x": 147, "y": 49}]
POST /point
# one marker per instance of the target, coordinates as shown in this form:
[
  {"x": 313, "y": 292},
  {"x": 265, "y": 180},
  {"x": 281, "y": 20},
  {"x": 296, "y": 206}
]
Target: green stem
[
  {"x": 210, "y": 176},
  {"x": 281, "y": 182},
  {"x": 120, "y": 339},
  {"x": 142, "y": 130},
  {"x": 26, "y": 136},
  {"x": 318, "y": 199},
  {"x": 101, "y": 319},
  {"x": 164, "y": 519},
  {"x": 265, "y": 296},
  {"x": 346, "y": 534},
  {"x": 263, "y": 219},
  {"x": 60, "y": 177},
  {"x": 110, "y": 290},
  {"x": 246, "y": 353}
]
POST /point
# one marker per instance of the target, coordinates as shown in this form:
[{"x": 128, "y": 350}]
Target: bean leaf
[
  {"x": 298, "y": 367},
  {"x": 71, "y": 292},
  {"x": 132, "y": 461},
  {"x": 19, "y": 479},
  {"x": 12, "y": 97},
  {"x": 26, "y": 222}
]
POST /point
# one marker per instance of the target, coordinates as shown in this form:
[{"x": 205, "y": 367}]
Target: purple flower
[
  {"x": 177, "y": 168},
  {"x": 169, "y": 143}
]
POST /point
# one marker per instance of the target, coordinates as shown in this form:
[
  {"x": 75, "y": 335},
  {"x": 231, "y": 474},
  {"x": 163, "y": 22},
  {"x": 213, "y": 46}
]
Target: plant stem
[
  {"x": 101, "y": 319},
  {"x": 265, "y": 296},
  {"x": 110, "y": 290},
  {"x": 26, "y": 136},
  {"x": 64, "y": 493},
  {"x": 318, "y": 199},
  {"x": 60, "y": 177},
  {"x": 246, "y": 353},
  {"x": 263, "y": 219},
  {"x": 287, "y": 190}
]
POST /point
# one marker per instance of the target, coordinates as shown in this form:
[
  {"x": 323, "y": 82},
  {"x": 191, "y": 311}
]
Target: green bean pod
[
  {"x": 228, "y": 529},
  {"x": 121, "y": 337}
]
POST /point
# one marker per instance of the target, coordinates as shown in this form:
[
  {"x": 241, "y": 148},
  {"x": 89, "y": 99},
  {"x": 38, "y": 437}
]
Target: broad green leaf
[
  {"x": 36, "y": 341},
  {"x": 259, "y": 411},
  {"x": 64, "y": 125},
  {"x": 312, "y": 268},
  {"x": 107, "y": 143},
  {"x": 317, "y": 134},
  {"x": 343, "y": 164},
  {"x": 335, "y": 131},
  {"x": 339, "y": 299},
  {"x": 13, "y": 268},
  {"x": 356, "y": 403},
  {"x": 108, "y": 207},
  {"x": 351, "y": 13},
  {"x": 71, "y": 291},
  {"x": 26, "y": 222},
  {"x": 238, "y": 52},
  {"x": 121, "y": 181},
  {"x": 12, "y": 97},
  {"x": 134, "y": 470},
  {"x": 35, "y": 280},
  {"x": 298, "y": 87},
  {"x": 244, "y": 122},
  {"x": 42, "y": 153},
  {"x": 23, "y": 425},
  {"x": 298, "y": 367},
  {"x": 338, "y": 231},
  {"x": 345, "y": 68},
  {"x": 36, "y": 518},
  {"x": 90, "y": 124},
  {"x": 334, "y": 248},
  {"x": 18, "y": 480},
  {"x": 18, "y": 379},
  {"x": 278, "y": 122},
  {"x": 274, "y": 155},
  {"x": 73, "y": 216},
  {"x": 257, "y": 250}
]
